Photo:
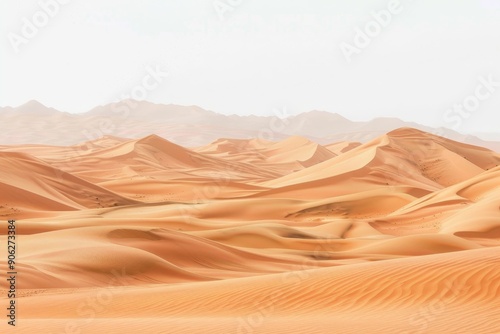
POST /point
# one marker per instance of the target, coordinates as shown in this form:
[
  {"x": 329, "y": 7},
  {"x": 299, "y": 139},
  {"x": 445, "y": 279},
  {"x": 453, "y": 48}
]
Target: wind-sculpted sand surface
[{"x": 397, "y": 235}]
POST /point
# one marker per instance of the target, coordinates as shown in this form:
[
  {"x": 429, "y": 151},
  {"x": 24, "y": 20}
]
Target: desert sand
[{"x": 398, "y": 234}]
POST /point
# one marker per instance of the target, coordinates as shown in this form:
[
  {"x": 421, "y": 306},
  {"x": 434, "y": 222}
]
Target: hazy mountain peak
[{"x": 32, "y": 105}]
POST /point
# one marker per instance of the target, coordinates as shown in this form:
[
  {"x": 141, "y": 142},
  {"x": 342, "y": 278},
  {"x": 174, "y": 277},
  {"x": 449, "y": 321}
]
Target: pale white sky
[{"x": 253, "y": 56}]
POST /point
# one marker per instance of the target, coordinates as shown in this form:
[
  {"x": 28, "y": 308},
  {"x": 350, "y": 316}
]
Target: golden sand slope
[
  {"x": 29, "y": 184},
  {"x": 398, "y": 235},
  {"x": 404, "y": 157},
  {"x": 289, "y": 155},
  {"x": 341, "y": 147},
  {"x": 446, "y": 293}
]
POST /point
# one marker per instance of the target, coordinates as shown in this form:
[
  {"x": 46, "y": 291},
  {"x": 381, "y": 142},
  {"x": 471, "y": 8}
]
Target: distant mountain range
[{"x": 192, "y": 126}]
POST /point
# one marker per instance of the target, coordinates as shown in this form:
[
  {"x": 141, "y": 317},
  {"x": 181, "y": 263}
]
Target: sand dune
[
  {"x": 469, "y": 208},
  {"x": 406, "y": 157},
  {"x": 400, "y": 234},
  {"x": 29, "y": 184},
  {"x": 444, "y": 293},
  {"x": 158, "y": 153},
  {"x": 282, "y": 157},
  {"x": 118, "y": 164},
  {"x": 341, "y": 147}
]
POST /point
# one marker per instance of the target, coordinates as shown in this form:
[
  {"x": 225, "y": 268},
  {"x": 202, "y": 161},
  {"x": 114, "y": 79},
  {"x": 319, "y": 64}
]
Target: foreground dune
[
  {"x": 397, "y": 235},
  {"x": 446, "y": 293}
]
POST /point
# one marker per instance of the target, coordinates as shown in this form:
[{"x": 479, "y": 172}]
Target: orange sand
[{"x": 397, "y": 235}]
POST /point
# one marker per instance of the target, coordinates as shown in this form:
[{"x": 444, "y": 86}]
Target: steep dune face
[
  {"x": 481, "y": 216},
  {"x": 30, "y": 184},
  {"x": 469, "y": 208},
  {"x": 341, "y": 147},
  {"x": 234, "y": 147},
  {"x": 298, "y": 149},
  {"x": 369, "y": 167},
  {"x": 446, "y": 161},
  {"x": 286, "y": 156},
  {"x": 404, "y": 157},
  {"x": 151, "y": 150},
  {"x": 400, "y": 234}
]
